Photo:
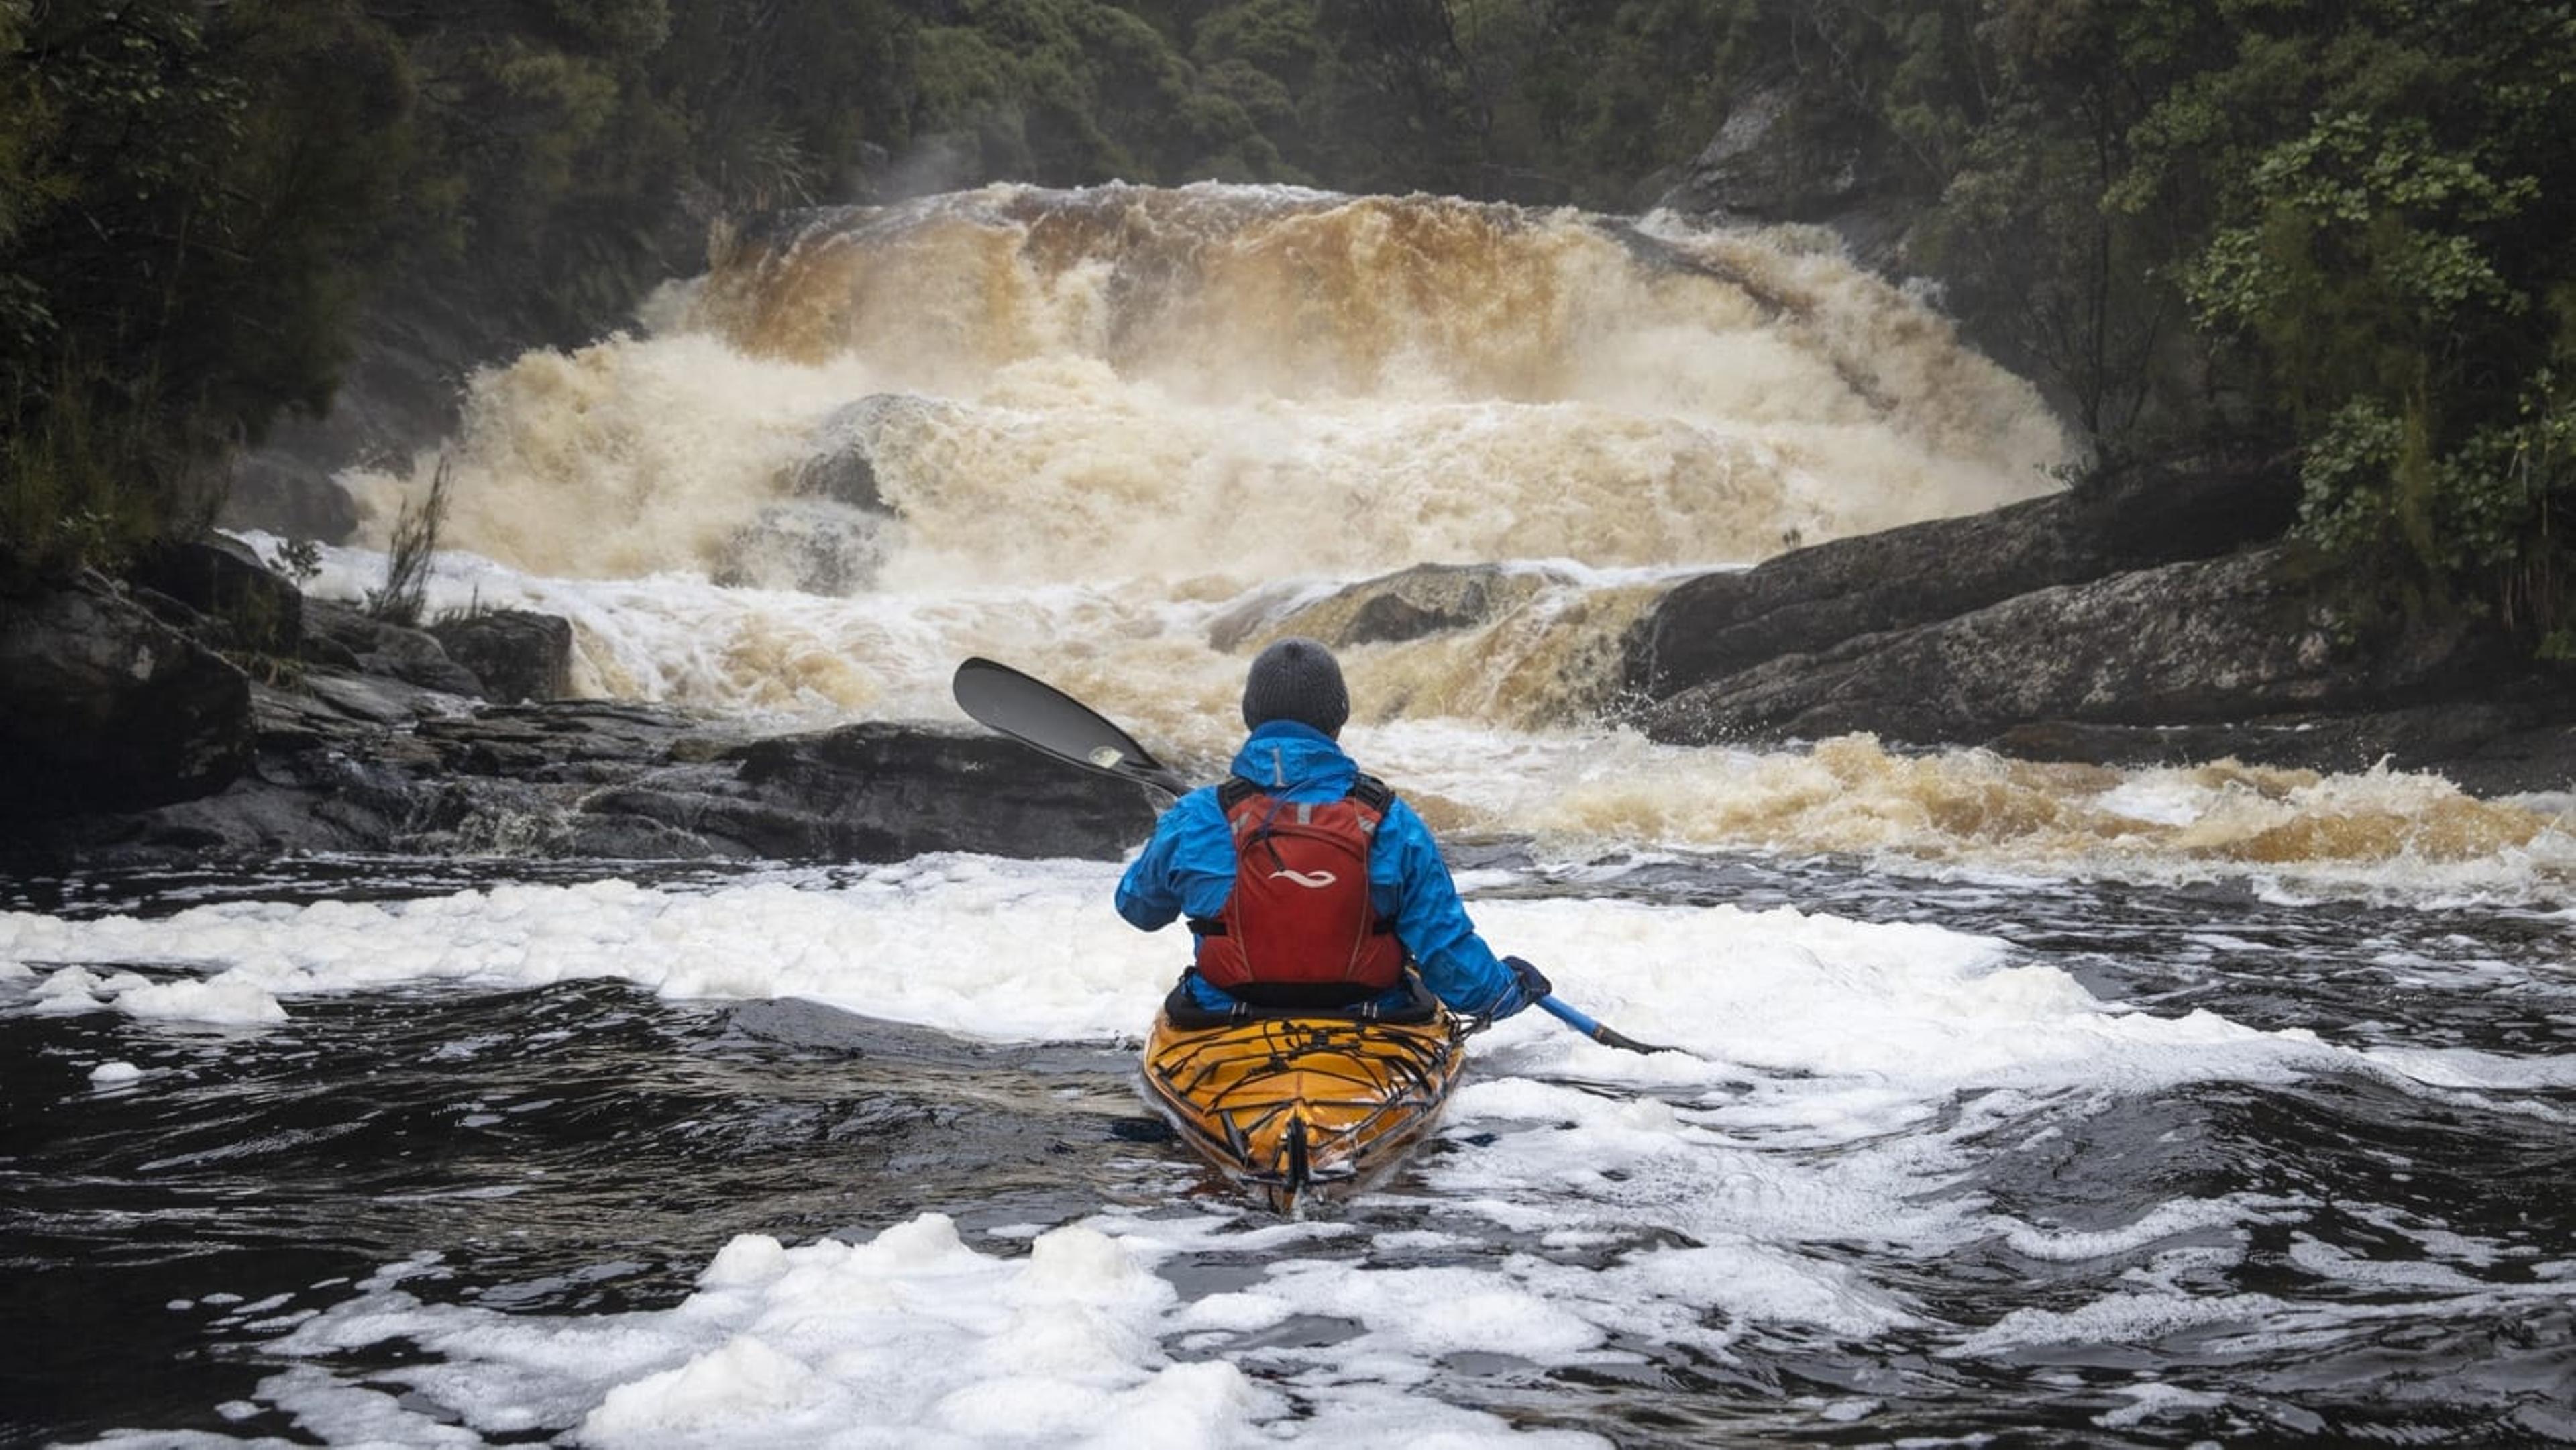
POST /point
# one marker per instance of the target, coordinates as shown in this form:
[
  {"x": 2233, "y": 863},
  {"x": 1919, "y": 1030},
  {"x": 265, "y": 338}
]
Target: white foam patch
[
  {"x": 2164, "y": 1221},
  {"x": 2116, "y": 1319},
  {"x": 2156, "y": 1401},
  {"x": 1030, "y": 951},
  {"x": 2229, "y": 1325},
  {"x": 225, "y": 1000},
  {"x": 912, "y": 1338}
]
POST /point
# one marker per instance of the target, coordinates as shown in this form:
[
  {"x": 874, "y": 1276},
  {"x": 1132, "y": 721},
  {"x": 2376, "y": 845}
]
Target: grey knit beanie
[{"x": 1296, "y": 679}]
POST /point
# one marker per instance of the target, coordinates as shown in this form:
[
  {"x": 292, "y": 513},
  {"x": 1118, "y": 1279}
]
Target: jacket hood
[{"x": 1286, "y": 758}]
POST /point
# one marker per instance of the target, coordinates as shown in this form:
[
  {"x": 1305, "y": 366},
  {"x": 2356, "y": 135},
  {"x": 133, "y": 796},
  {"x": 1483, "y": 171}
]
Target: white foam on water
[
  {"x": 1841, "y": 1084},
  {"x": 2154, "y": 1401},
  {"x": 910, "y": 1338},
  {"x": 1029, "y": 951},
  {"x": 2165, "y": 1221}
]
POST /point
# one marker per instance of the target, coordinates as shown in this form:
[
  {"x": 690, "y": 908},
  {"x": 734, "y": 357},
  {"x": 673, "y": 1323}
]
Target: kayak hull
[{"x": 1292, "y": 1107}]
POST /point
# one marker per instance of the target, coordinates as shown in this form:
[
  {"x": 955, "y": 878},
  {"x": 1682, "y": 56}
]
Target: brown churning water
[{"x": 1126, "y": 435}]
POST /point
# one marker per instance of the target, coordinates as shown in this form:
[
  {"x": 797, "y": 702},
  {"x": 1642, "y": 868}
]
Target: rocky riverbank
[
  {"x": 2153, "y": 616},
  {"x": 141, "y": 728}
]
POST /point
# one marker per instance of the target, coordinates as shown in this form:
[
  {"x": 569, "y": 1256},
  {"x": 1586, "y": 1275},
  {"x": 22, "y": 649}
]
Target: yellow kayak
[{"x": 1292, "y": 1103}]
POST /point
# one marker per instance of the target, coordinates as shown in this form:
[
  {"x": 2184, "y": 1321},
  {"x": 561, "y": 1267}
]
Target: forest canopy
[{"x": 2336, "y": 229}]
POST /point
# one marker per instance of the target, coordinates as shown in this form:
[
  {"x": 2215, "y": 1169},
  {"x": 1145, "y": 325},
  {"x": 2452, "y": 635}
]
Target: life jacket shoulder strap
[
  {"x": 1373, "y": 793},
  {"x": 1368, "y": 790}
]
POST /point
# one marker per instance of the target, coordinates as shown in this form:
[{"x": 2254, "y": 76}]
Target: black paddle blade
[
  {"x": 1624, "y": 1042},
  {"x": 1036, "y": 713}
]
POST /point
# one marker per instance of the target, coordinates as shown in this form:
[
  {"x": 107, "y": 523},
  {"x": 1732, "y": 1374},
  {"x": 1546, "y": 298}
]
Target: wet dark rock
[
  {"x": 2138, "y": 619},
  {"x": 222, "y": 579},
  {"x": 1781, "y": 156},
  {"x": 282, "y": 488},
  {"x": 371, "y": 763},
  {"x": 517, "y": 654},
  {"x": 901, "y": 790},
  {"x": 813, "y": 546},
  {"x": 331, "y": 698},
  {"x": 581, "y": 742},
  {"x": 1816, "y": 598},
  {"x": 104, "y": 707},
  {"x": 615, "y": 837},
  {"x": 2486, "y": 748},
  {"x": 1413, "y": 603},
  {"x": 2231, "y": 639},
  {"x": 378, "y": 647}
]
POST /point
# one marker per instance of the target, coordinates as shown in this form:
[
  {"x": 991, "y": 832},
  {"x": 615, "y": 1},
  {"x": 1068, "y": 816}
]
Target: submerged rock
[
  {"x": 2486, "y": 748},
  {"x": 1409, "y": 604},
  {"x": 812, "y": 546},
  {"x": 830, "y": 531}
]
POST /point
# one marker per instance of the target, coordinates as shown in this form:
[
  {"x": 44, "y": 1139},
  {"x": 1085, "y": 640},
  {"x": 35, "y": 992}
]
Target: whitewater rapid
[
  {"x": 1981, "y": 1063},
  {"x": 1121, "y": 437}
]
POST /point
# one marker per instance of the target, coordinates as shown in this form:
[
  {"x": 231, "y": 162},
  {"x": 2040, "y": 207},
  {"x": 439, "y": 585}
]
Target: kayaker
[{"x": 1308, "y": 884}]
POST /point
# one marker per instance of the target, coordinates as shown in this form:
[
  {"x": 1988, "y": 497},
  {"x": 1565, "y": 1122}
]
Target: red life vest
[{"x": 1299, "y": 917}]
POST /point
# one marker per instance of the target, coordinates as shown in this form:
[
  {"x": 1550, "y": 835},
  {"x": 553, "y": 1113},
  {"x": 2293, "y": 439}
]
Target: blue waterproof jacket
[{"x": 1188, "y": 868}]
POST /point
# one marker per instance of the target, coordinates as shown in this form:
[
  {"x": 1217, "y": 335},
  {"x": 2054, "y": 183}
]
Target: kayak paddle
[
  {"x": 1594, "y": 1030},
  {"x": 1037, "y": 714}
]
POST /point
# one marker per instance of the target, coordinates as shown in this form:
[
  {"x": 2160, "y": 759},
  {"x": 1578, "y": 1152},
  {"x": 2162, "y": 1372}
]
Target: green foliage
[
  {"x": 410, "y": 553},
  {"x": 2372, "y": 255},
  {"x": 176, "y": 250},
  {"x": 298, "y": 561}
]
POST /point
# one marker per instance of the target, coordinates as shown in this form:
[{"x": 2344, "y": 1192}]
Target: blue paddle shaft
[
  {"x": 1570, "y": 1017},
  {"x": 1607, "y": 1037}
]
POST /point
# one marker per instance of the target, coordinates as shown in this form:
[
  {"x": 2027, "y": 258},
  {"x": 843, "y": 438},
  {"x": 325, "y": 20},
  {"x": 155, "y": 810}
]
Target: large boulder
[
  {"x": 247, "y": 603},
  {"x": 282, "y": 488},
  {"x": 342, "y": 634},
  {"x": 103, "y": 707},
  {"x": 883, "y": 792},
  {"x": 2192, "y": 643},
  {"x": 1815, "y": 598},
  {"x": 517, "y": 654}
]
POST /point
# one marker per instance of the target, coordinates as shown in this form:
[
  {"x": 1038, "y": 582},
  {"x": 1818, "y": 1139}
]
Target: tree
[{"x": 177, "y": 249}]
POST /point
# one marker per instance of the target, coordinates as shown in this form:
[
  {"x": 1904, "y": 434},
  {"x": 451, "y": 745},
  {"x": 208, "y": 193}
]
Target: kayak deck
[{"x": 1290, "y": 1104}]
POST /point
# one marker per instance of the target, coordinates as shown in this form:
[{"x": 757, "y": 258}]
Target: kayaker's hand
[{"x": 1534, "y": 983}]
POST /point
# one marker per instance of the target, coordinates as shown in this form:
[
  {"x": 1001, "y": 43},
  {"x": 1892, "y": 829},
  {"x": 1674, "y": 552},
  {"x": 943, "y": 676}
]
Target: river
[{"x": 2036, "y": 1102}]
